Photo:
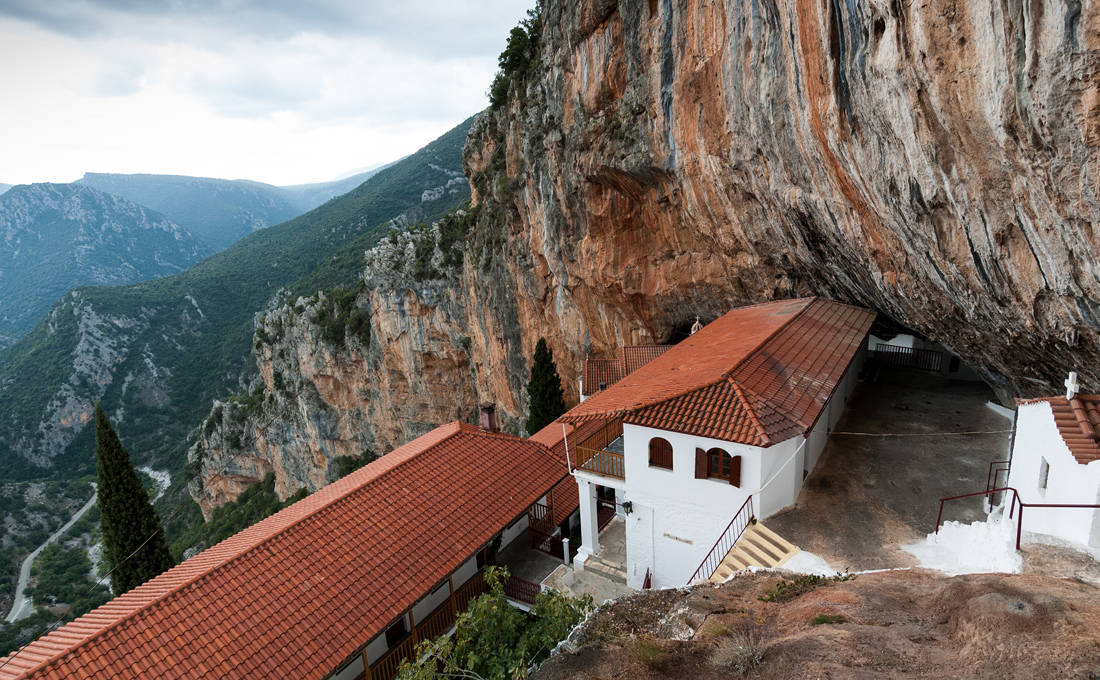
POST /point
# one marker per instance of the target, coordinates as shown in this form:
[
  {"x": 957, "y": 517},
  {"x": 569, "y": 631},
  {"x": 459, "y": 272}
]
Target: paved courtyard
[{"x": 869, "y": 495}]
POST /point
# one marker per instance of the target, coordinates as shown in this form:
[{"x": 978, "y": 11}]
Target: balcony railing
[
  {"x": 521, "y": 590},
  {"x": 386, "y": 667},
  {"x": 592, "y": 454},
  {"x": 435, "y": 624},
  {"x": 603, "y": 463}
]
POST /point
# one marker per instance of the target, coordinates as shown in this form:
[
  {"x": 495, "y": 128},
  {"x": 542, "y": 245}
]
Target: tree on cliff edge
[
  {"x": 544, "y": 390},
  {"x": 127, "y": 517}
]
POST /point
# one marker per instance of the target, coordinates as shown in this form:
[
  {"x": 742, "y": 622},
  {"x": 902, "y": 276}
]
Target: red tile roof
[
  {"x": 757, "y": 375},
  {"x": 610, "y": 371},
  {"x": 298, "y": 593},
  {"x": 1078, "y": 422}
]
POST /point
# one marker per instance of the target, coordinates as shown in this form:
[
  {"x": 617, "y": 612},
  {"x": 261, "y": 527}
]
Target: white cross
[{"x": 1071, "y": 385}]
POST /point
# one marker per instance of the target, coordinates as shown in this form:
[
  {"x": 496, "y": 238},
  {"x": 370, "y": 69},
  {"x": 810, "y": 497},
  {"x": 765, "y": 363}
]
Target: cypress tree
[
  {"x": 127, "y": 518},
  {"x": 544, "y": 392}
]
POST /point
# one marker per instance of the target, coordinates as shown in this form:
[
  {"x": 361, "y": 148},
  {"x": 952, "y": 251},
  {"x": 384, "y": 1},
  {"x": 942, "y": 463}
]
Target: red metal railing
[
  {"x": 551, "y": 545},
  {"x": 521, "y": 590},
  {"x": 725, "y": 541},
  {"x": 993, "y": 474},
  {"x": 1014, "y": 503}
]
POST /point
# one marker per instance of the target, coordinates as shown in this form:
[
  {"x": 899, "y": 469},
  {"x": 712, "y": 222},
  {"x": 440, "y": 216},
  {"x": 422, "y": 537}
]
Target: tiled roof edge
[{"x": 407, "y": 449}]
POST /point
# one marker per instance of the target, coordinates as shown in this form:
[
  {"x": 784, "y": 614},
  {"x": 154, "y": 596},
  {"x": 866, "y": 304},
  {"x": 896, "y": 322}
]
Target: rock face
[
  {"x": 390, "y": 365},
  {"x": 672, "y": 158},
  {"x": 935, "y": 162}
]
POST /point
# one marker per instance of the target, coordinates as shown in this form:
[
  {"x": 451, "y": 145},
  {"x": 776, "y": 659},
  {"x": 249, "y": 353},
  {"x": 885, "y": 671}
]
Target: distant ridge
[
  {"x": 56, "y": 237},
  {"x": 157, "y": 353}
]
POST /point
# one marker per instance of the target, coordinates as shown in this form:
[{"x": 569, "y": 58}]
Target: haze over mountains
[
  {"x": 221, "y": 211},
  {"x": 121, "y": 229},
  {"x": 4, "y": 187},
  {"x": 54, "y": 237}
]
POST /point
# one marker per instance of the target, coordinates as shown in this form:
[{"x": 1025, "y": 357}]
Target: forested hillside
[{"x": 156, "y": 353}]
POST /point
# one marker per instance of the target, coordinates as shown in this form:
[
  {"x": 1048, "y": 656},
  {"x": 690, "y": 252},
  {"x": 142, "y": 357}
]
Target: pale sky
[{"x": 278, "y": 91}]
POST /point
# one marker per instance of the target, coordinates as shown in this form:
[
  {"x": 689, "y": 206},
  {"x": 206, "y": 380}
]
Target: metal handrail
[
  {"x": 1015, "y": 501},
  {"x": 522, "y": 590},
  {"x": 726, "y": 540}
]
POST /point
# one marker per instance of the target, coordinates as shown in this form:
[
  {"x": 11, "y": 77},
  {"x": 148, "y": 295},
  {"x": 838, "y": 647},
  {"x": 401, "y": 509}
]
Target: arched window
[
  {"x": 660, "y": 453},
  {"x": 716, "y": 463}
]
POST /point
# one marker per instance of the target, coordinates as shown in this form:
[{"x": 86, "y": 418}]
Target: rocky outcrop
[
  {"x": 892, "y": 624},
  {"x": 343, "y": 373},
  {"x": 670, "y": 159}
]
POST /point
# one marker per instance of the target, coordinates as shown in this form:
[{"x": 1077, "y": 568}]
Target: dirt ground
[
  {"x": 869, "y": 495},
  {"x": 896, "y": 624}
]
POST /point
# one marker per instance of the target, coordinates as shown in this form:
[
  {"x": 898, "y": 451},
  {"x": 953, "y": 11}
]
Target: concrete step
[
  {"x": 759, "y": 546},
  {"x": 612, "y": 572}
]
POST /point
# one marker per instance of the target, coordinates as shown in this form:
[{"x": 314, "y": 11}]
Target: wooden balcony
[
  {"x": 441, "y": 620},
  {"x": 602, "y": 452}
]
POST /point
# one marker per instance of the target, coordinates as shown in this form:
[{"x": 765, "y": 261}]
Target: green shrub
[
  {"x": 826, "y": 618},
  {"x": 519, "y": 58},
  {"x": 788, "y": 590}
]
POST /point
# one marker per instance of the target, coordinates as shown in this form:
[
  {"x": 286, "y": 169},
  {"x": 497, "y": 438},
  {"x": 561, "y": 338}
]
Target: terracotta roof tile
[
  {"x": 1078, "y": 422},
  {"x": 757, "y": 375},
  {"x": 607, "y": 372},
  {"x": 276, "y": 599}
]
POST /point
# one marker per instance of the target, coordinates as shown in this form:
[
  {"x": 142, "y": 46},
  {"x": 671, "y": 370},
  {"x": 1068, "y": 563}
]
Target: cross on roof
[{"x": 1072, "y": 386}]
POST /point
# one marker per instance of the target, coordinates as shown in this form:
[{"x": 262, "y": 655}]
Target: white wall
[
  {"x": 427, "y": 605},
  {"x": 1068, "y": 481},
  {"x": 676, "y": 518},
  {"x": 514, "y": 530}
]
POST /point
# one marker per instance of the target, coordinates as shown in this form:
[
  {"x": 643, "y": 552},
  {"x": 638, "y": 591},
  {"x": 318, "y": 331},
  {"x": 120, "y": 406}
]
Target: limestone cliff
[
  {"x": 340, "y": 374},
  {"x": 660, "y": 160},
  {"x": 935, "y": 161}
]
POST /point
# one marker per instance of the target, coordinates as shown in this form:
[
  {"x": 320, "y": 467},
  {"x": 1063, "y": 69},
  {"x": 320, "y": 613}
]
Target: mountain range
[
  {"x": 156, "y": 353},
  {"x": 220, "y": 211},
  {"x": 56, "y": 236}
]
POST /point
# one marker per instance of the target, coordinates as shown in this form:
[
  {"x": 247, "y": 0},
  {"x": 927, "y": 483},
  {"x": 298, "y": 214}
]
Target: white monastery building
[
  {"x": 726, "y": 424},
  {"x": 1056, "y": 460}
]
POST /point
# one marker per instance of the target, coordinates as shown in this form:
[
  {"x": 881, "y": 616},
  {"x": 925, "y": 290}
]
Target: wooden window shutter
[
  {"x": 700, "y": 464},
  {"x": 735, "y": 471}
]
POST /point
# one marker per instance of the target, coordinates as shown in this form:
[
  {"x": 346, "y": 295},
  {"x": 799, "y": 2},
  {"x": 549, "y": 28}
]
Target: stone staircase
[
  {"x": 759, "y": 546},
  {"x": 609, "y": 570}
]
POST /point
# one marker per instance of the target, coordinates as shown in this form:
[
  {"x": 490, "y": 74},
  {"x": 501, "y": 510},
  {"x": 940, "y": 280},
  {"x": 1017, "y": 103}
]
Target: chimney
[{"x": 489, "y": 418}]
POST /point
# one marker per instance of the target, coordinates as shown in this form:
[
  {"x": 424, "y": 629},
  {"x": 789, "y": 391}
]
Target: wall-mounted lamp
[{"x": 628, "y": 507}]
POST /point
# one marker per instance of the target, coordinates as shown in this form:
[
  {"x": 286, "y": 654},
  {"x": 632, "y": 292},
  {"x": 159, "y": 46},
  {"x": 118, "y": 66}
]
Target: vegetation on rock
[
  {"x": 517, "y": 61},
  {"x": 133, "y": 539},
  {"x": 255, "y": 503}
]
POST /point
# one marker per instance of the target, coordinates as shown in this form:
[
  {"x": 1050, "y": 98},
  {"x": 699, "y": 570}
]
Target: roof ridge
[
  {"x": 740, "y": 391},
  {"x": 177, "y": 587},
  {"x": 810, "y": 303}
]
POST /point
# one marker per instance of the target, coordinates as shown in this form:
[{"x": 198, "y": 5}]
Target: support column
[{"x": 590, "y": 533}]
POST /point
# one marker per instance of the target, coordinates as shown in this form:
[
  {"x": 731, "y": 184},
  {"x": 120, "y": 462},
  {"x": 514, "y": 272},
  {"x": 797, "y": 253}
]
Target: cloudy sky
[{"x": 280, "y": 91}]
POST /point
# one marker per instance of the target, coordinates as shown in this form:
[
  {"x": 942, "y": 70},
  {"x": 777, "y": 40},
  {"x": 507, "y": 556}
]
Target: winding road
[{"x": 23, "y": 606}]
